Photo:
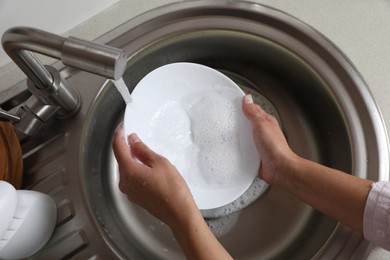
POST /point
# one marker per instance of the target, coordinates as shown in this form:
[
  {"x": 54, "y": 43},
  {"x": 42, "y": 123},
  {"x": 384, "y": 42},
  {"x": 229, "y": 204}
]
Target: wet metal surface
[{"x": 327, "y": 115}]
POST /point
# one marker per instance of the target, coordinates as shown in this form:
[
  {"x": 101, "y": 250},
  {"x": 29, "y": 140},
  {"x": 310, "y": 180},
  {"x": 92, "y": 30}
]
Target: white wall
[{"x": 56, "y": 16}]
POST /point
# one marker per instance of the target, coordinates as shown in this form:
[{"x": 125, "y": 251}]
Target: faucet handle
[{"x": 5, "y": 115}]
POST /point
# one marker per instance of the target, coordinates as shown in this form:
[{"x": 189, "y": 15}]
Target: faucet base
[
  {"x": 56, "y": 100},
  {"x": 57, "y": 94}
]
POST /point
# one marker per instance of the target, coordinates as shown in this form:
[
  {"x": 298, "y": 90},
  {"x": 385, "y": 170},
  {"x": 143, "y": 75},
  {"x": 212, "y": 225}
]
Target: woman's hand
[
  {"x": 270, "y": 142},
  {"x": 154, "y": 184},
  {"x": 152, "y": 181},
  {"x": 335, "y": 193}
]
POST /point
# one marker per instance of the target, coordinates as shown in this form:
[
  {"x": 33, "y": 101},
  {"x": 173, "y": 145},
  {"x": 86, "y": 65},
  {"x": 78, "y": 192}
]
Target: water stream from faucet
[{"x": 123, "y": 90}]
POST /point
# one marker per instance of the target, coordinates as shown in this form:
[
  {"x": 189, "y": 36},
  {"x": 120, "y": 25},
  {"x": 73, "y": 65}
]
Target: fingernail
[
  {"x": 133, "y": 139},
  {"x": 248, "y": 99}
]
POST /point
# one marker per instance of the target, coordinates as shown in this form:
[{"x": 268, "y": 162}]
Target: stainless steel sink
[{"x": 327, "y": 113}]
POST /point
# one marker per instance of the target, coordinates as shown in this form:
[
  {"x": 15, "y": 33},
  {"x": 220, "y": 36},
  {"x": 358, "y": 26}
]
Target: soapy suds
[
  {"x": 201, "y": 138},
  {"x": 214, "y": 121},
  {"x": 169, "y": 134},
  {"x": 123, "y": 89},
  {"x": 224, "y": 225},
  {"x": 257, "y": 188},
  {"x": 221, "y": 163},
  {"x": 214, "y": 128}
]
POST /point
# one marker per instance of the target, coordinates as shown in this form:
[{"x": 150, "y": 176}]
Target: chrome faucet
[{"x": 51, "y": 94}]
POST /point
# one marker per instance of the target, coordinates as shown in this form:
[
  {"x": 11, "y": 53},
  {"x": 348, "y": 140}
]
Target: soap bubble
[
  {"x": 214, "y": 121},
  {"x": 215, "y": 132}
]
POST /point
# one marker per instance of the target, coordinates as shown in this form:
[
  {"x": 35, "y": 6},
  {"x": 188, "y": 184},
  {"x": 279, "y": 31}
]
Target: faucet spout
[
  {"x": 52, "y": 95},
  {"x": 20, "y": 43}
]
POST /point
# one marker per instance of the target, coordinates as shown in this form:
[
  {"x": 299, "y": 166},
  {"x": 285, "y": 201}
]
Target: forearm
[
  {"x": 196, "y": 239},
  {"x": 337, "y": 194}
]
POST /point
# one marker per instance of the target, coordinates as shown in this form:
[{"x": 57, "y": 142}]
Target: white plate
[{"x": 192, "y": 115}]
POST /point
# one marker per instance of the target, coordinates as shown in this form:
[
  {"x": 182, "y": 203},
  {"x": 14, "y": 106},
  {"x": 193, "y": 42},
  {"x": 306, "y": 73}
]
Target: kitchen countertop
[{"x": 358, "y": 27}]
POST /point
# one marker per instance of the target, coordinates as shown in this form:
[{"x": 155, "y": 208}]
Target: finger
[
  {"x": 133, "y": 139},
  {"x": 254, "y": 113},
  {"x": 251, "y": 110},
  {"x": 122, "y": 150},
  {"x": 143, "y": 152}
]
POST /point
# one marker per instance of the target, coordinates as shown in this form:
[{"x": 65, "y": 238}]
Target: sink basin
[{"x": 325, "y": 108}]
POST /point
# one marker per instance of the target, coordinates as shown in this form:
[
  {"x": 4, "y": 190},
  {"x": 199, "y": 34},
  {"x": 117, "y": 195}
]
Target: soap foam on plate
[
  {"x": 169, "y": 134},
  {"x": 214, "y": 120},
  {"x": 191, "y": 114},
  {"x": 215, "y": 133}
]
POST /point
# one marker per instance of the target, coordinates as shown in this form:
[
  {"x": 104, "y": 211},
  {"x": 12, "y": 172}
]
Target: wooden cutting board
[{"x": 11, "y": 161}]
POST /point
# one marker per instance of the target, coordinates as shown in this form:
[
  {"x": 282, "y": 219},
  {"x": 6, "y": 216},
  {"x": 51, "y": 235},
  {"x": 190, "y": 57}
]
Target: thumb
[
  {"x": 142, "y": 152},
  {"x": 251, "y": 110}
]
